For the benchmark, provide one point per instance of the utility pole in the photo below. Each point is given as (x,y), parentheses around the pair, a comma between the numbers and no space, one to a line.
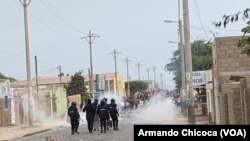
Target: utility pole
(153,68)
(216,103)
(188,58)
(182,50)
(37,92)
(89,80)
(148,75)
(161,81)
(36,78)
(128,90)
(25,4)
(115,53)
(90,39)
(138,66)
(183,70)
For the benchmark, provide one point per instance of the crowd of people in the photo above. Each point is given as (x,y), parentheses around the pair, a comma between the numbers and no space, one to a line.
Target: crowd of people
(97,115)
(134,101)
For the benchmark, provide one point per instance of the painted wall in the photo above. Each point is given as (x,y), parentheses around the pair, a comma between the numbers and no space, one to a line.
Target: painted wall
(61,102)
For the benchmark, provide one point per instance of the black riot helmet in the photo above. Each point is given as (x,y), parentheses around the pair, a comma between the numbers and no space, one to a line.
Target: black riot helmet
(112,100)
(105,99)
(89,101)
(96,100)
(73,103)
(102,102)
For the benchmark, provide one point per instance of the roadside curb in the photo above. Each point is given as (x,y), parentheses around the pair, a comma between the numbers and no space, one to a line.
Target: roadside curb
(38,132)
(30,134)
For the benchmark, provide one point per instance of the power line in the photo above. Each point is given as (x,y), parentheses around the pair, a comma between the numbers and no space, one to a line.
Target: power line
(58,16)
(198,13)
(47,71)
(47,26)
(106,45)
(12,54)
(52,29)
(21,56)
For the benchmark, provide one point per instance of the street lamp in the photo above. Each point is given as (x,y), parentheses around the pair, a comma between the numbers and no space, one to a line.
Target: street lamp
(168,21)
(186,56)
(180,43)
(181,47)
(173,42)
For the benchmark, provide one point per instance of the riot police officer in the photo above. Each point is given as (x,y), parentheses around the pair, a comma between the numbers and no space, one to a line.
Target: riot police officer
(74,118)
(102,111)
(108,117)
(114,113)
(90,113)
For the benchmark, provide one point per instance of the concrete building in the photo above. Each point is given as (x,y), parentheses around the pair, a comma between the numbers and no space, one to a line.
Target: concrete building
(49,102)
(107,83)
(229,66)
(7,104)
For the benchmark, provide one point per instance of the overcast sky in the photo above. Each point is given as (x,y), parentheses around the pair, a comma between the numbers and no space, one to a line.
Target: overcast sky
(133,27)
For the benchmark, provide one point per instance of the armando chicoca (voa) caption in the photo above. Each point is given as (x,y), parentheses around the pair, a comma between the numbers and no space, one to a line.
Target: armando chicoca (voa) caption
(195,133)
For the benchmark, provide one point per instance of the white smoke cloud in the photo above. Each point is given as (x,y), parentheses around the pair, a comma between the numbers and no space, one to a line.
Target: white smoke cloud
(109,96)
(118,100)
(159,110)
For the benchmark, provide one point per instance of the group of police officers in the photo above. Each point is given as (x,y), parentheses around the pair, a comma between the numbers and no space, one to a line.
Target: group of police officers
(95,114)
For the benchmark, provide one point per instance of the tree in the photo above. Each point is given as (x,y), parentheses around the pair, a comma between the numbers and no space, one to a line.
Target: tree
(77,86)
(201,60)
(136,86)
(201,55)
(175,67)
(245,41)
(2,76)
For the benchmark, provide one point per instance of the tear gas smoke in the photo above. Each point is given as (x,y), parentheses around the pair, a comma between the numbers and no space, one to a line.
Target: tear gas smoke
(158,110)
(118,100)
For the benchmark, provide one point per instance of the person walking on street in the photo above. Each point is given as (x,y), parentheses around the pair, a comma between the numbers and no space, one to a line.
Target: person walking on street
(74,118)
(90,113)
(96,116)
(108,117)
(102,111)
(114,114)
